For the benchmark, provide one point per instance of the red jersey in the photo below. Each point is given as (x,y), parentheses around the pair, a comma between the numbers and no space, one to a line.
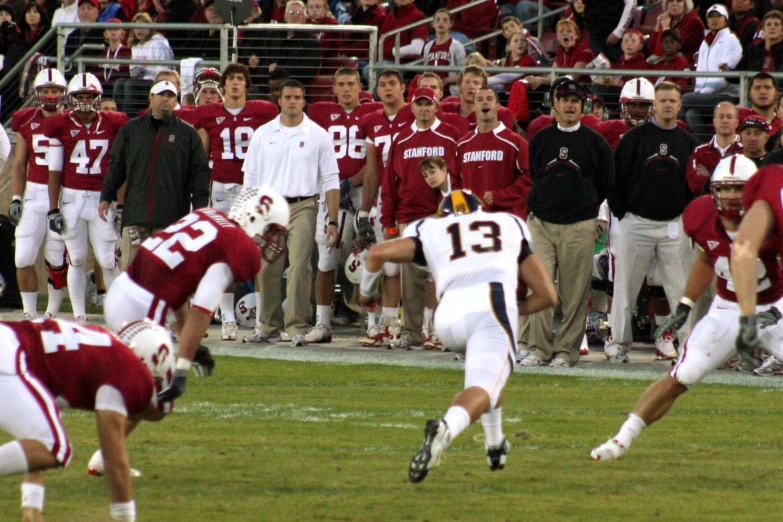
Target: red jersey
(767,185)
(229,135)
(75,361)
(85,150)
(578,53)
(495,161)
(505,115)
(380,131)
(172,263)
(406,196)
(439,54)
(774,124)
(702,223)
(636,62)
(344,128)
(546,120)
(677,63)
(708,155)
(29,124)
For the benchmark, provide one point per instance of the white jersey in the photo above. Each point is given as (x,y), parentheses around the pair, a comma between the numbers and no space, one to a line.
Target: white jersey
(472,249)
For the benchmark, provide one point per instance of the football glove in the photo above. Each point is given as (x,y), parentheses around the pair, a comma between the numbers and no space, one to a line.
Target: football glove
(118,220)
(747,339)
(366,231)
(345,187)
(15,212)
(177,387)
(56,221)
(674,321)
(203,363)
(768,318)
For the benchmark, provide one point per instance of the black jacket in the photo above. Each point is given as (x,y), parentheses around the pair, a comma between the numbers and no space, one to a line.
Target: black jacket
(167,171)
(299,55)
(602,16)
(756,55)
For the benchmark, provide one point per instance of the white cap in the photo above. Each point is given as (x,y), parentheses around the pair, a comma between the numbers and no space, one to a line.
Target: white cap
(164,86)
(718,8)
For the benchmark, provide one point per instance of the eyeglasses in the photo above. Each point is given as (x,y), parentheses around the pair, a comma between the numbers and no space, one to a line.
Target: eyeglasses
(297,13)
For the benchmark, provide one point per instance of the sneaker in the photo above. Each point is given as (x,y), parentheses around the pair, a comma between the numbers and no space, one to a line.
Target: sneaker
(496,455)
(430,340)
(584,349)
(229,331)
(285,337)
(80,320)
(27,317)
(298,340)
(100,299)
(530,360)
(319,333)
(609,450)
(521,354)
(261,337)
(47,315)
(381,334)
(771,366)
(557,362)
(436,440)
(619,357)
(664,348)
(403,344)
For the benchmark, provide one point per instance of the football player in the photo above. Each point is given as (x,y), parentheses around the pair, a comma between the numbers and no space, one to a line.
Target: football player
(49,362)
(207,87)
(30,176)
(711,221)
(79,144)
(196,258)
(341,121)
(225,130)
(478,260)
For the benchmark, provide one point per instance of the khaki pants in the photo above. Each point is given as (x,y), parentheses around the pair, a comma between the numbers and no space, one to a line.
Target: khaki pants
(565,251)
(299,248)
(128,250)
(412,284)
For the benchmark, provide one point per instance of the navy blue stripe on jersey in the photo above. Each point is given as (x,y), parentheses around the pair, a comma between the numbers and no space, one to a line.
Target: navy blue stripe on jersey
(497,299)
(418,255)
(524,248)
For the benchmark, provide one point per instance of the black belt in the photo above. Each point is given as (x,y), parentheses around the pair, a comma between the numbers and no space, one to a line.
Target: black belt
(297,200)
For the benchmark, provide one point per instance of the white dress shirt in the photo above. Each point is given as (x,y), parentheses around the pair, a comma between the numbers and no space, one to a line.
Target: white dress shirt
(297,161)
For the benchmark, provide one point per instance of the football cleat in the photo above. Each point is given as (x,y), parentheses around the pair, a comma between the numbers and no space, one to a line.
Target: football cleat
(229,331)
(664,348)
(261,337)
(619,357)
(771,366)
(95,466)
(530,360)
(381,334)
(436,440)
(609,450)
(319,333)
(559,362)
(430,340)
(496,455)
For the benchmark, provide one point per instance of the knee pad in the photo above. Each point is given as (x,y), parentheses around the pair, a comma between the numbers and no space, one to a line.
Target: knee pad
(26,252)
(108,260)
(328,257)
(58,277)
(391,270)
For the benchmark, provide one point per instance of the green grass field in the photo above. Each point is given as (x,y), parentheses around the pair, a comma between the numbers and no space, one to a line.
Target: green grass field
(280,440)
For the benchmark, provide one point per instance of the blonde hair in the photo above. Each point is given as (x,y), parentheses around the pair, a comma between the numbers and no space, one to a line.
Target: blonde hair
(688,6)
(430,75)
(326,5)
(142,18)
(477,57)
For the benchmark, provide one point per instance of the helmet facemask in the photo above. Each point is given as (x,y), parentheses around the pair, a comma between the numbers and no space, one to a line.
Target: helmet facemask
(730,208)
(634,113)
(272,242)
(85,106)
(50,102)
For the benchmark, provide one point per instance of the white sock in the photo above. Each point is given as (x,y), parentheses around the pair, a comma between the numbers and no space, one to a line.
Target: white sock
(227,308)
(428,313)
(258,309)
(77,287)
(12,459)
(109,275)
(55,300)
(660,319)
(30,303)
(389,311)
(630,429)
(457,419)
(323,315)
(372,319)
(493,427)
(33,496)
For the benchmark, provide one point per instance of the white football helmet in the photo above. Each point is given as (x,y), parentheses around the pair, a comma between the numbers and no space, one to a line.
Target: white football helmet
(354,265)
(263,214)
(152,344)
(85,83)
(246,310)
(733,171)
(637,91)
(49,78)
(208,77)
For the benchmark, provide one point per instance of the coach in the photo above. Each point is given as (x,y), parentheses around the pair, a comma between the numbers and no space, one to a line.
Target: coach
(649,197)
(295,156)
(572,172)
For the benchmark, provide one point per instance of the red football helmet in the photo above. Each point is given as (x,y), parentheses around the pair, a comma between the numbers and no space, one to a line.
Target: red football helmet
(733,171)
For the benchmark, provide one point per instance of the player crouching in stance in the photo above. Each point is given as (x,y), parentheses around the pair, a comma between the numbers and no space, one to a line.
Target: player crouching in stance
(477,260)
(50,362)
(713,223)
(197,258)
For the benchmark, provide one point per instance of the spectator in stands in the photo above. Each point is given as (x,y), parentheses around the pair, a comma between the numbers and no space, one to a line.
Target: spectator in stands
(720,51)
(724,143)
(571,52)
(132,94)
(605,21)
(633,57)
(516,56)
(763,94)
(318,13)
(672,59)
(109,10)
(680,17)
(88,13)
(478,60)
(754,134)
(35,23)
(298,52)
(510,25)
(472,22)
(108,74)
(598,107)
(433,81)
(66,14)
(273,11)
(470,80)
(411,41)
(108,104)
(525,10)
(742,21)
(444,50)
(766,55)
(204,43)
(576,13)
(146,6)
(368,12)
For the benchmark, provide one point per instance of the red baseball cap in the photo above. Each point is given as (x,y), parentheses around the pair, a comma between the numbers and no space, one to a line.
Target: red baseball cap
(754,121)
(424,93)
(93,2)
(113,21)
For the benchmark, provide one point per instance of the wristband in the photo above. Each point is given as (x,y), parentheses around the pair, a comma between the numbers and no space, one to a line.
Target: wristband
(332,224)
(687,302)
(183,364)
(369,280)
(32,496)
(16,198)
(124,511)
(363,214)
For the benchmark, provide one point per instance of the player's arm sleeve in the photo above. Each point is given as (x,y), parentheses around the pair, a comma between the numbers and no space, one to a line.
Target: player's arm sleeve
(520,188)
(696,181)
(328,170)
(414,234)
(210,289)
(117,173)
(199,168)
(109,398)
(617,195)
(389,194)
